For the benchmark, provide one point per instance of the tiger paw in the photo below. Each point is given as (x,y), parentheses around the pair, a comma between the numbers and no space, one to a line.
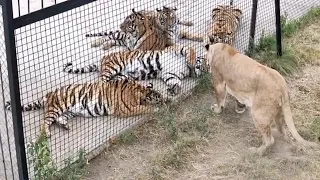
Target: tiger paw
(65,126)
(189,23)
(96,43)
(174,90)
(47,133)
(216,109)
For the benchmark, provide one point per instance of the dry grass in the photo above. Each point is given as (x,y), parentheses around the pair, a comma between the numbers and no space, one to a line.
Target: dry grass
(188,141)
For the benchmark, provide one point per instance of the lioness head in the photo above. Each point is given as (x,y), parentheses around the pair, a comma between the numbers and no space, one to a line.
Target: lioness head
(218,49)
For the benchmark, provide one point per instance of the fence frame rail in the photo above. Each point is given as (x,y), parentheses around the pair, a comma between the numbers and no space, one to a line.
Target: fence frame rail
(11,24)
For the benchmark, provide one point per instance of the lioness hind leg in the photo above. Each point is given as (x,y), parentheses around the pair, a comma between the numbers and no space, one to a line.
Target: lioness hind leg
(240,108)
(262,120)
(280,126)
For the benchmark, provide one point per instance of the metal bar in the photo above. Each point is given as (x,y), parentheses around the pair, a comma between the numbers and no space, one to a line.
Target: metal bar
(252,27)
(41,4)
(7,129)
(28,6)
(48,12)
(19,8)
(278,27)
(14,89)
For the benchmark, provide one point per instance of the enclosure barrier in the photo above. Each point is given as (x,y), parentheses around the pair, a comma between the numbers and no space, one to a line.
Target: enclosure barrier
(40,41)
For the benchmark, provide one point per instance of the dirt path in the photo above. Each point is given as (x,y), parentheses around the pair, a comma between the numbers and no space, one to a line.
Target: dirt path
(193,143)
(223,152)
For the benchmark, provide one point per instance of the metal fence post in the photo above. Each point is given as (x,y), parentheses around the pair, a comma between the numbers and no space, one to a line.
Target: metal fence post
(252,27)
(8,23)
(278,27)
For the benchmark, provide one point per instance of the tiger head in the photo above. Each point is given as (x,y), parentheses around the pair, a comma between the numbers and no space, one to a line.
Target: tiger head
(166,17)
(201,66)
(134,23)
(226,20)
(149,96)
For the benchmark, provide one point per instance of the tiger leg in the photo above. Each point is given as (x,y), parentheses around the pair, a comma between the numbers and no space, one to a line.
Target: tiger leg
(110,43)
(185,23)
(173,82)
(56,116)
(63,119)
(98,42)
(190,36)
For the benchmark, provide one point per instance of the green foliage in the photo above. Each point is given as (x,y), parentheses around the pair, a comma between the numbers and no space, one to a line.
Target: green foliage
(204,84)
(127,137)
(45,169)
(266,50)
(41,159)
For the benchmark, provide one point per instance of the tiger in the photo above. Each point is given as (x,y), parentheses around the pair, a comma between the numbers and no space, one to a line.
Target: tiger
(121,98)
(141,35)
(165,20)
(225,21)
(145,65)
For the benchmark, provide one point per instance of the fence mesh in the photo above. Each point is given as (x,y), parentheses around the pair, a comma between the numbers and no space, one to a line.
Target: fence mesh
(44,47)
(8,162)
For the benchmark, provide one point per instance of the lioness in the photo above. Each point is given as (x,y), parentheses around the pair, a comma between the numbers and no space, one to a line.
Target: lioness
(260,88)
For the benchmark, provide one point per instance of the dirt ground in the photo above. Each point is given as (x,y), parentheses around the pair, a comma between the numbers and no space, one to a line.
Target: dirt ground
(189,142)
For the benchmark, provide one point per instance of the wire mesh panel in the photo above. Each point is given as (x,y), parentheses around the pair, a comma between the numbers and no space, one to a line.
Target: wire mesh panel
(8,162)
(45,47)
(289,10)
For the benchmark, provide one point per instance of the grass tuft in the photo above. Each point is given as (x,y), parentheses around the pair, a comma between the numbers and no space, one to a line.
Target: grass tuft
(44,168)
(204,84)
(266,50)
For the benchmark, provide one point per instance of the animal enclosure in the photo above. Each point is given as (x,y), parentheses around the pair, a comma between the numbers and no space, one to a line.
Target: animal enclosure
(41,37)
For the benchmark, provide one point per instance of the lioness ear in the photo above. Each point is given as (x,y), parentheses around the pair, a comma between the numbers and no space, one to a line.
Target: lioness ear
(207,47)
(150,86)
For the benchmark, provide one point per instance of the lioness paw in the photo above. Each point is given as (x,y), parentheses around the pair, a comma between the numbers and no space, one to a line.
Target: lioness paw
(216,109)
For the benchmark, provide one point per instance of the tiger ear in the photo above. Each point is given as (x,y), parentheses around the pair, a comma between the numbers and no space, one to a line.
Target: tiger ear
(207,46)
(150,86)
(237,12)
(175,8)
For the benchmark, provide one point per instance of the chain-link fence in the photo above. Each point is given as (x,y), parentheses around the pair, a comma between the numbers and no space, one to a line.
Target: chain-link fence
(46,40)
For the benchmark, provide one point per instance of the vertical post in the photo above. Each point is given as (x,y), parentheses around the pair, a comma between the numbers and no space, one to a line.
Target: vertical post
(8,23)
(252,27)
(278,27)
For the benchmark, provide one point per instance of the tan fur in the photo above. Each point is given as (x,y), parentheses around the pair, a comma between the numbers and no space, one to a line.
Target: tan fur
(259,87)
